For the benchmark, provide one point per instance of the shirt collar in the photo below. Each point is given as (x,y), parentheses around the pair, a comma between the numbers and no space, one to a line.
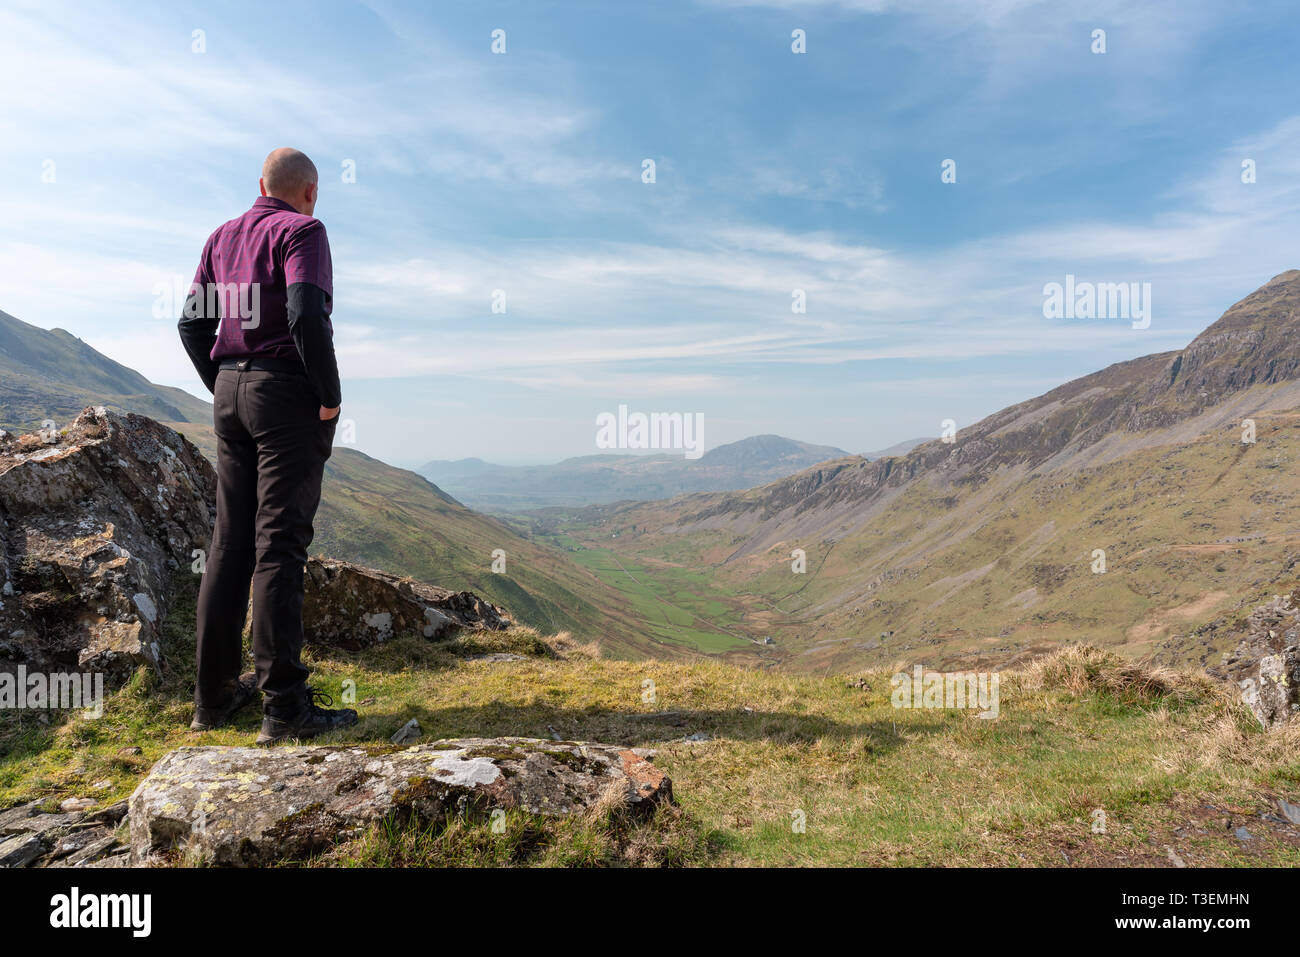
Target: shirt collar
(273,203)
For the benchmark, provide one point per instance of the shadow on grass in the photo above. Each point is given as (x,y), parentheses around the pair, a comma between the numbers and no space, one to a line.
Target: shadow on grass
(628,729)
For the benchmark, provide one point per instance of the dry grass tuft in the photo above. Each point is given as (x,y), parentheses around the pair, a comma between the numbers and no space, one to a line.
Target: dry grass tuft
(1236,739)
(566,648)
(1080,669)
(612,802)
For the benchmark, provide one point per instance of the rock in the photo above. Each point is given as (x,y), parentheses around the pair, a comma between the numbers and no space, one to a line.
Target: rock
(21,850)
(1266,663)
(355,607)
(1242,834)
(81,847)
(222,805)
(407,733)
(29,819)
(104,847)
(94,521)
(118,855)
(1289,811)
(112,814)
(13,819)
(30,837)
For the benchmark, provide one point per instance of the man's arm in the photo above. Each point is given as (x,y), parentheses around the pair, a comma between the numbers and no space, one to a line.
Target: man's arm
(198,331)
(309,278)
(309,325)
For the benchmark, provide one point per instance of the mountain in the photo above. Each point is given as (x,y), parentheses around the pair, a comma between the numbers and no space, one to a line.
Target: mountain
(1122,508)
(370,512)
(600,479)
(54,375)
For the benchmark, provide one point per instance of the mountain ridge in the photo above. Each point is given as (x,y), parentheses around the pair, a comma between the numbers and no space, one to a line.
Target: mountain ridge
(1124,404)
(610,477)
(52,374)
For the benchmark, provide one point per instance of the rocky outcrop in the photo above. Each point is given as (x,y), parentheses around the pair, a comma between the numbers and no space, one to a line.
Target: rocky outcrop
(252,806)
(1266,664)
(94,521)
(355,607)
(31,836)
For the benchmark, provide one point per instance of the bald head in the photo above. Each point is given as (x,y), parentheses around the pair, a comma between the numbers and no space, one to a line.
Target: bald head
(289,175)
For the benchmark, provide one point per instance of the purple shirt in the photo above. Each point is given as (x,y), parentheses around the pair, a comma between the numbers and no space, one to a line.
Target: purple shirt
(249,264)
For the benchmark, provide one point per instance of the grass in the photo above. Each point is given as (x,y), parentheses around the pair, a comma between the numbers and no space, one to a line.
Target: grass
(796,769)
(669,601)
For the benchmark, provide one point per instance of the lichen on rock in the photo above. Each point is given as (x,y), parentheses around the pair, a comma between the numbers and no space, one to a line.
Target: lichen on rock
(354,607)
(254,806)
(94,522)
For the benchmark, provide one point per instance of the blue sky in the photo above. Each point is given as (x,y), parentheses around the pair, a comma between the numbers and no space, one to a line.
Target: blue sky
(775,171)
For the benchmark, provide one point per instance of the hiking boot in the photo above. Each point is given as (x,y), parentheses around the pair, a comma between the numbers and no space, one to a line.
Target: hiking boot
(309,721)
(242,691)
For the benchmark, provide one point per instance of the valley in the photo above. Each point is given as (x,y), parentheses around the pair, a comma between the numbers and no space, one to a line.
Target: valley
(1144,508)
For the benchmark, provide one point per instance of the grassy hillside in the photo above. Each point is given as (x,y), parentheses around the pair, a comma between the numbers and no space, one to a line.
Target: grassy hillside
(54,375)
(1174,768)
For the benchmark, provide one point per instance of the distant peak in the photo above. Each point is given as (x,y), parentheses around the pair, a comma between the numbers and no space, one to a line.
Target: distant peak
(1288,276)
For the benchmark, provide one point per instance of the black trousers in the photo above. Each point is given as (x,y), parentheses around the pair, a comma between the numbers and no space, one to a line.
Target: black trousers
(271,454)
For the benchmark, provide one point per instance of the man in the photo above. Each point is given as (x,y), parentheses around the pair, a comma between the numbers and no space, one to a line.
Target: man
(257,328)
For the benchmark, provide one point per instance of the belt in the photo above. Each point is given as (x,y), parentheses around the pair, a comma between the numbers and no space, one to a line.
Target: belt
(264,364)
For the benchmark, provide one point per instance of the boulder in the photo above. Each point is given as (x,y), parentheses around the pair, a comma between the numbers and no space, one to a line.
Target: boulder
(254,806)
(1266,663)
(355,607)
(94,521)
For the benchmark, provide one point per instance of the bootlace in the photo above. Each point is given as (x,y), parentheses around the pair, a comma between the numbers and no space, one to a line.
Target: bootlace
(314,696)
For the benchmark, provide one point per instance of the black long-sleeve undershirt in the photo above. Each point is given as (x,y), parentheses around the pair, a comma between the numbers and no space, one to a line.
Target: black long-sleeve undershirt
(198,336)
(309,325)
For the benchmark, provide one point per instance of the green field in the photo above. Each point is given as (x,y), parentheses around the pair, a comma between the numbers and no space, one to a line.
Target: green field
(672,603)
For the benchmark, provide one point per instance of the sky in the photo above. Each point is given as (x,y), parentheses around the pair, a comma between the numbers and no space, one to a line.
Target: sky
(518,178)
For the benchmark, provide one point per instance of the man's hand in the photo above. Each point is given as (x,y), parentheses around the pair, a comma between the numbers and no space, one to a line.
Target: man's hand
(327,414)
